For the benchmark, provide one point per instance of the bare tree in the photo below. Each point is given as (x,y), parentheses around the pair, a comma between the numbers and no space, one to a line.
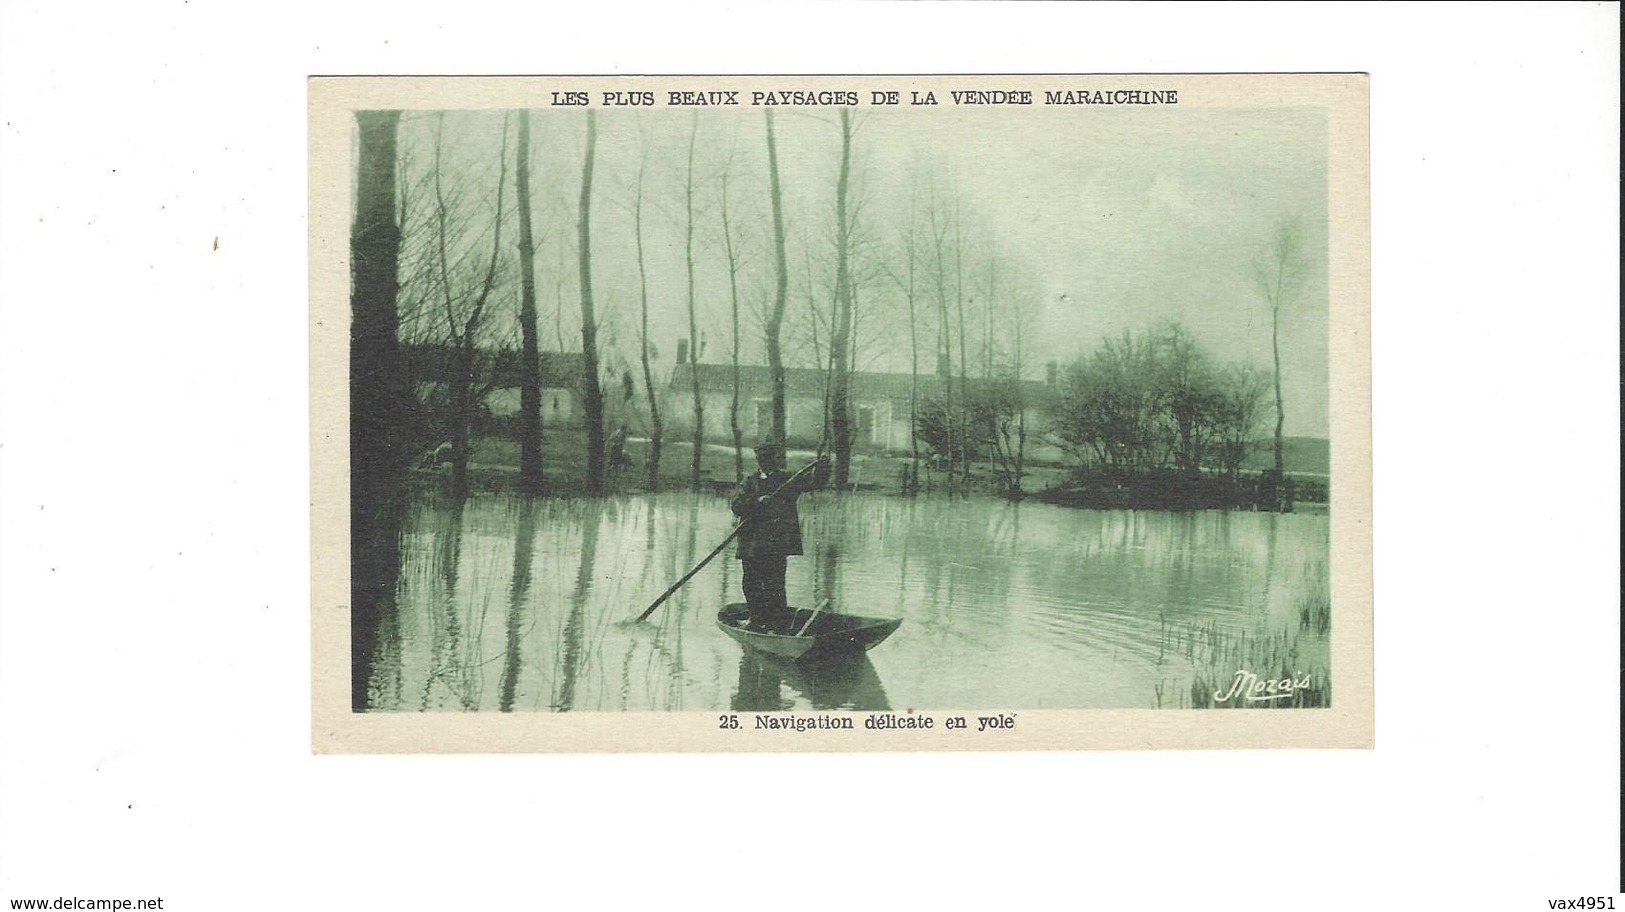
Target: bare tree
(987,315)
(558,300)
(656,429)
(1023,310)
(841,331)
(464,321)
(817,322)
(733,295)
(594,395)
(530,390)
(378,394)
(994,412)
(1241,397)
(1109,409)
(1279,275)
(693,323)
(905,282)
(417,306)
(1189,390)
(945,371)
(959,294)
(775,319)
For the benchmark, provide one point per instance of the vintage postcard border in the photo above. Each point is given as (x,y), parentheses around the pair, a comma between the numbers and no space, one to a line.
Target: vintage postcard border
(1349,723)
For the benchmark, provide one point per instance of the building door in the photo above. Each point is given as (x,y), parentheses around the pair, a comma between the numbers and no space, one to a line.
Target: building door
(864,434)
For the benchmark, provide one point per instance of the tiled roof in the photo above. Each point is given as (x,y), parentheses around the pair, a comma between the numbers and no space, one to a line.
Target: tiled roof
(805,383)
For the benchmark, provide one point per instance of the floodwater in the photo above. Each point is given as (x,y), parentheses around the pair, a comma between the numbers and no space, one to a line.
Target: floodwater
(514,605)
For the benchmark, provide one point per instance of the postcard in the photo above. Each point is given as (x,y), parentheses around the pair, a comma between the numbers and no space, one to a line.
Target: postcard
(840,413)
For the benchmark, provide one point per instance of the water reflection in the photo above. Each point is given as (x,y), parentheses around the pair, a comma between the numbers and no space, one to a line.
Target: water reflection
(575,626)
(760,686)
(524,543)
(375,569)
(445,659)
(844,682)
(508,605)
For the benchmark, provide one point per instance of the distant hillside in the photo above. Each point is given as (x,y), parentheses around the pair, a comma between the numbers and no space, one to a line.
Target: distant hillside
(1310,455)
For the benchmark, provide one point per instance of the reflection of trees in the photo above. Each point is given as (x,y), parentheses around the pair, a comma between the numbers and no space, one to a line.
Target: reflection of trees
(465,649)
(626,674)
(518,589)
(1269,564)
(384,689)
(575,624)
(445,628)
(675,669)
(978,591)
(1183,583)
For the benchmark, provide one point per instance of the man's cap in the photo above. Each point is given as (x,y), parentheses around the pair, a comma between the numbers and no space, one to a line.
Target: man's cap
(769,448)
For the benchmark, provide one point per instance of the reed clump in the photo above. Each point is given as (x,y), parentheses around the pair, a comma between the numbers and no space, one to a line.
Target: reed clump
(1225,657)
(1315,606)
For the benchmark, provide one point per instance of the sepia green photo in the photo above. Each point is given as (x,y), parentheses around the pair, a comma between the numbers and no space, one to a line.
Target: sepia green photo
(840,413)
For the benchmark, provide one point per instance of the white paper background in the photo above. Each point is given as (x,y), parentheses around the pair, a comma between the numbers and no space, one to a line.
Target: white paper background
(154,625)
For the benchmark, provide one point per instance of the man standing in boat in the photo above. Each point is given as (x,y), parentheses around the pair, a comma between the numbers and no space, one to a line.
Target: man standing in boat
(766,502)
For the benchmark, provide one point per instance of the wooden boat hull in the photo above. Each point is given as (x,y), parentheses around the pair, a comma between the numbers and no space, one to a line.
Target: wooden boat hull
(828,634)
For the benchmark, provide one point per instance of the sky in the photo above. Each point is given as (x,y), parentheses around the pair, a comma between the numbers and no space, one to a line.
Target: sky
(1094,220)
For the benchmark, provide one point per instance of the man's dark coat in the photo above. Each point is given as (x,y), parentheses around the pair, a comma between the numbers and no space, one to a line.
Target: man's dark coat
(773,528)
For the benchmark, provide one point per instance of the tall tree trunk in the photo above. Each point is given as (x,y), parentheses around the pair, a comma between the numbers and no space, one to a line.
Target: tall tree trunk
(530,390)
(826,430)
(462,407)
(558,302)
(945,357)
(964,383)
(733,295)
(987,318)
(775,319)
(1021,401)
(820,356)
(656,429)
(913,370)
(856,324)
(693,323)
(593,406)
(378,396)
(841,332)
(1285,252)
